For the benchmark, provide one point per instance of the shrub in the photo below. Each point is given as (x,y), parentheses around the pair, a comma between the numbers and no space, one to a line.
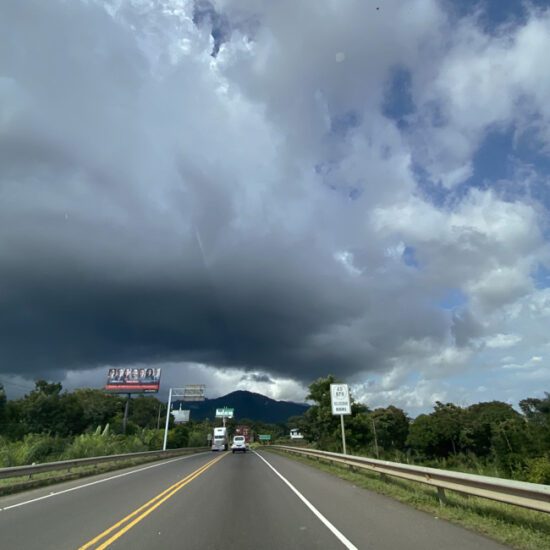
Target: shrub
(33,448)
(538,470)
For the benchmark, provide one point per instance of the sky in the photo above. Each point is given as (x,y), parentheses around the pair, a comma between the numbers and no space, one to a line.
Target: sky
(254,194)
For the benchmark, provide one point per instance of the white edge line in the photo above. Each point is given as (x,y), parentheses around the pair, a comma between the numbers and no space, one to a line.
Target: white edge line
(54,494)
(340,536)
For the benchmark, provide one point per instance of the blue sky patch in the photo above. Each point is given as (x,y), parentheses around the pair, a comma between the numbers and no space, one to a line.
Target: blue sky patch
(541,276)
(491,161)
(341,124)
(454,298)
(494,13)
(409,257)
(398,101)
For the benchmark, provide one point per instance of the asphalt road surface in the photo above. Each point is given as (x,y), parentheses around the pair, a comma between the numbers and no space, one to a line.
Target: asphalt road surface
(221,501)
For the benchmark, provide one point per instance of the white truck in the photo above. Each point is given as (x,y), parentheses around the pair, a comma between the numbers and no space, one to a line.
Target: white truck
(219,441)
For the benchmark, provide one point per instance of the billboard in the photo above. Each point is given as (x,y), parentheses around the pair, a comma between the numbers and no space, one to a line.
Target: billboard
(133,380)
(193,392)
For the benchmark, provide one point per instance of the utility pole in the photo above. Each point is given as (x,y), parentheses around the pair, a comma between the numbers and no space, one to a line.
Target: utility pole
(125,417)
(375,438)
(158,418)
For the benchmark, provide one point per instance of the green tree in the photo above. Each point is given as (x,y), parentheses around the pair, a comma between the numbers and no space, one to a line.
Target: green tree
(392,427)
(537,413)
(437,434)
(481,422)
(198,433)
(178,436)
(98,408)
(144,411)
(3,407)
(511,445)
(47,410)
(323,428)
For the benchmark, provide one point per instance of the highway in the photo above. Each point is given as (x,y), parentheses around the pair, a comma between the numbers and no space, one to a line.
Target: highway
(221,501)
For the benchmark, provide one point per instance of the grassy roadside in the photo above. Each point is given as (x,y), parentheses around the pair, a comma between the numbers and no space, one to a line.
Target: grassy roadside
(24,483)
(517,527)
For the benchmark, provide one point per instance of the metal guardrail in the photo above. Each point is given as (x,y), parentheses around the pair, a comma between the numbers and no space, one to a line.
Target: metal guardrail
(517,493)
(18,471)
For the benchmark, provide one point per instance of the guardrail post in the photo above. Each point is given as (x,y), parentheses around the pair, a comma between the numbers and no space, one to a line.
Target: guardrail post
(441,496)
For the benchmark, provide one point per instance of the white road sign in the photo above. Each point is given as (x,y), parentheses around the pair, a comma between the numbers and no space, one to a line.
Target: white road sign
(181,416)
(339,399)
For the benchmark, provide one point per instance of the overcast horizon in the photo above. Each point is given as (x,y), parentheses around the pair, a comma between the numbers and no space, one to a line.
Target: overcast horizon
(254,194)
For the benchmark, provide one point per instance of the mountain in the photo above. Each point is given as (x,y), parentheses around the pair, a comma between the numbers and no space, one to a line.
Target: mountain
(247,405)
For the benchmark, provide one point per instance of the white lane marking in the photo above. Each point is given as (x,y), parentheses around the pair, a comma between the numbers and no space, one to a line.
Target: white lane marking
(55,494)
(340,536)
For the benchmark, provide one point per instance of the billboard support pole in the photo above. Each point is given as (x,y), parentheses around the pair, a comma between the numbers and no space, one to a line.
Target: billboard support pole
(167,420)
(125,418)
(343,434)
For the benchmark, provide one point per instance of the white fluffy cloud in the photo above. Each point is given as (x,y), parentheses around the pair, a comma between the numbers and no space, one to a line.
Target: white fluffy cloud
(482,81)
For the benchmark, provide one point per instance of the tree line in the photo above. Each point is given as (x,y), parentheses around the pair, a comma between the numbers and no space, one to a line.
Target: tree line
(490,438)
(49,424)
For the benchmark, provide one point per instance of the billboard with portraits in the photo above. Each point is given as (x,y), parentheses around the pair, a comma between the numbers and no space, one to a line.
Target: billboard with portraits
(133,380)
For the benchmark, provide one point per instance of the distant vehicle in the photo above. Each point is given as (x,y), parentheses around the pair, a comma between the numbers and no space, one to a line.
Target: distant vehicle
(246,432)
(295,434)
(220,441)
(239,444)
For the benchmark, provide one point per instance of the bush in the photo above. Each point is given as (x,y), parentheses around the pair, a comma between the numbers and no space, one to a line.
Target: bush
(34,448)
(90,445)
(178,437)
(152,439)
(538,470)
(197,439)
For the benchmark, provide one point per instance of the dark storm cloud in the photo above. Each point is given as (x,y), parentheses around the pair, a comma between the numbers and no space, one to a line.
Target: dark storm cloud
(64,314)
(162,205)
(255,377)
(145,218)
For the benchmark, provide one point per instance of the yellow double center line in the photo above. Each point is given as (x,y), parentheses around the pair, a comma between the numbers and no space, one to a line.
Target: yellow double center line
(125,524)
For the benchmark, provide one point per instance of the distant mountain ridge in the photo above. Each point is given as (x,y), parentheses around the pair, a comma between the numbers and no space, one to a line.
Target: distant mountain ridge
(247,405)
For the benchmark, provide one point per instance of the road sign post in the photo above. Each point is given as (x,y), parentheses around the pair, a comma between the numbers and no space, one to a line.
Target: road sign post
(343,434)
(340,403)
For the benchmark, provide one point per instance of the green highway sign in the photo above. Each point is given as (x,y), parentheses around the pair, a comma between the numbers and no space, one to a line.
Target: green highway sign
(266,437)
(225,412)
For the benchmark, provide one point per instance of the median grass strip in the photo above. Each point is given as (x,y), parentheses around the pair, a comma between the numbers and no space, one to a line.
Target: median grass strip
(517,527)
